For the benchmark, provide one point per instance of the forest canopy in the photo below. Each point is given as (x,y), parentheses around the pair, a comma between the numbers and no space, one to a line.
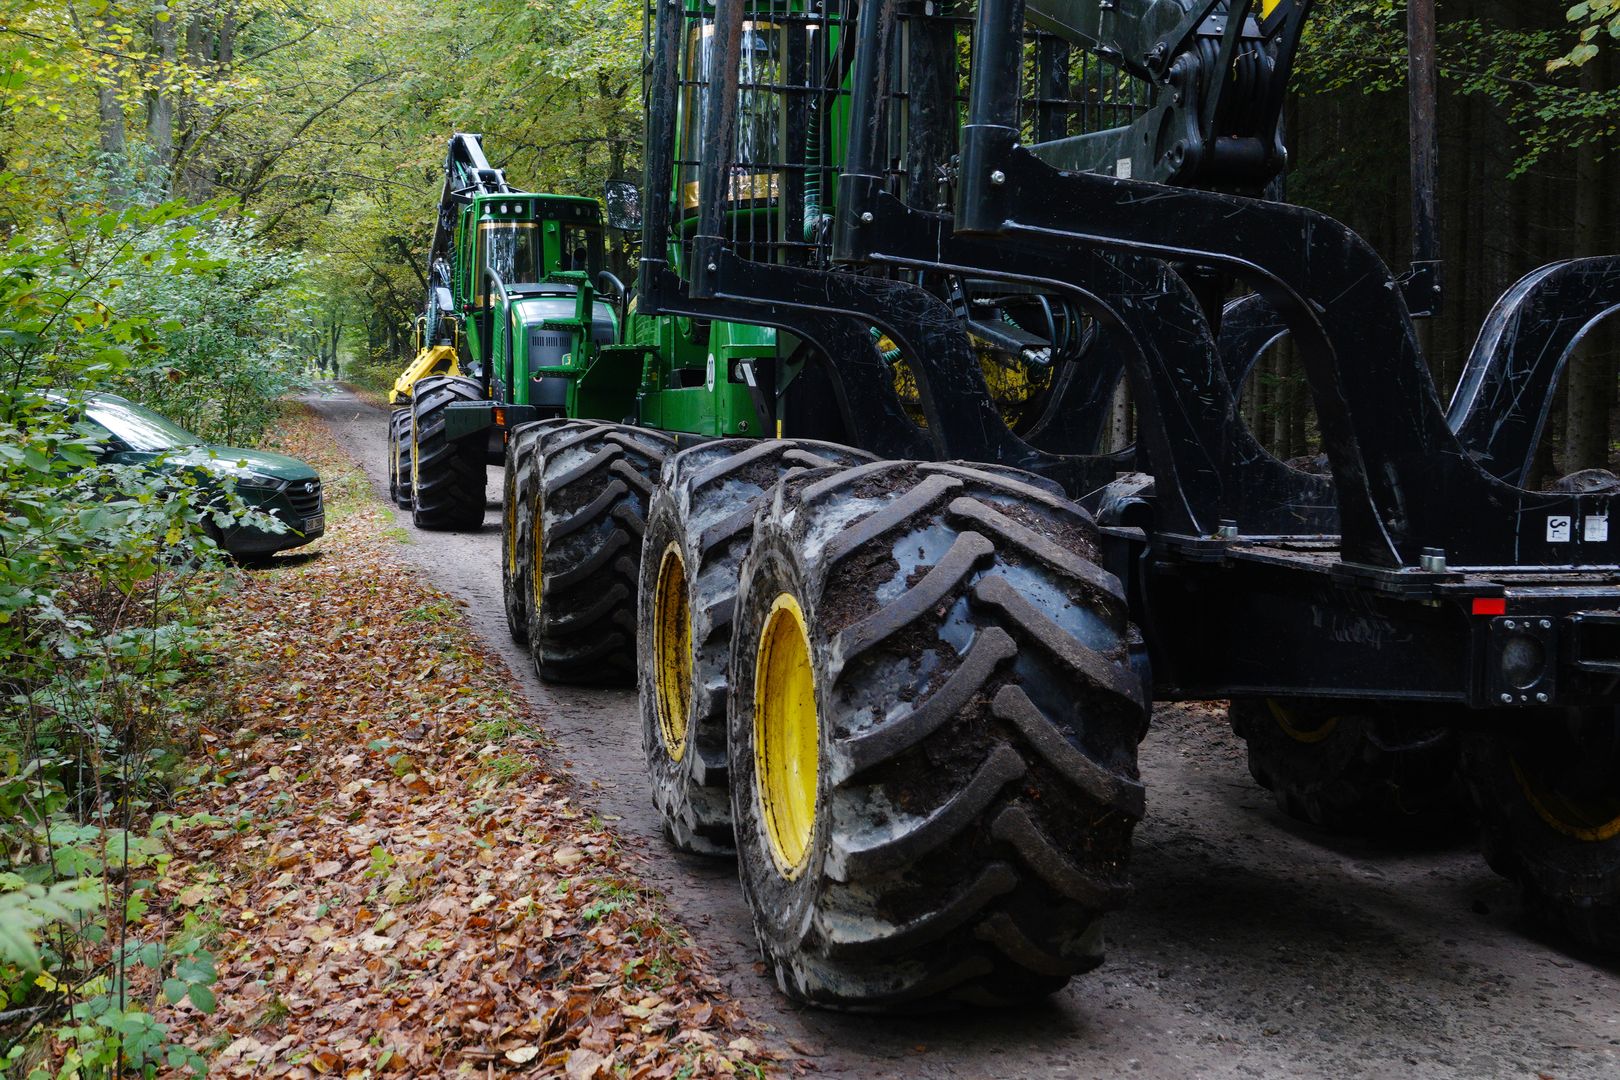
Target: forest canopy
(320,125)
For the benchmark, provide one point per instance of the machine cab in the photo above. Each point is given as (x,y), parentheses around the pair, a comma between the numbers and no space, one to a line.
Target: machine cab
(525,263)
(522,239)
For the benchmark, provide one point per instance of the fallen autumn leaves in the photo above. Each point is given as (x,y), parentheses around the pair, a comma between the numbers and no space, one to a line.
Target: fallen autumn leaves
(399,881)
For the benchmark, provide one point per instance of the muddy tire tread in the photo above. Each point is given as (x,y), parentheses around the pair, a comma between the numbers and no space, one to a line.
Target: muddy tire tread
(591,482)
(1373,775)
(707,500)
(517,486)
(1569,885)
(447,492)
(399,457)
(993,893)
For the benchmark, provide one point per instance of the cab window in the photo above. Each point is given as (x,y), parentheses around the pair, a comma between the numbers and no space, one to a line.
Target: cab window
(511,251)
(579,248)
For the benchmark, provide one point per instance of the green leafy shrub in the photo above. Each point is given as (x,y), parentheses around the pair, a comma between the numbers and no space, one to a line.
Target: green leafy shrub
(105,573)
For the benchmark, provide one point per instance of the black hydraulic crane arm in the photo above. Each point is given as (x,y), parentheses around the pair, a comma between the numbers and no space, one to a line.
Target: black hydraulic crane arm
(1137,34)
(1218,71)
(467,172)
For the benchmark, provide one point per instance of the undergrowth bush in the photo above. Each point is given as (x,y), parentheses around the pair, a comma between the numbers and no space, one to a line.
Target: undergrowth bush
(105,573)
(226,345)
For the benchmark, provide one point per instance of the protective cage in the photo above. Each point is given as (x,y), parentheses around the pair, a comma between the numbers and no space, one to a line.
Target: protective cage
(783,137)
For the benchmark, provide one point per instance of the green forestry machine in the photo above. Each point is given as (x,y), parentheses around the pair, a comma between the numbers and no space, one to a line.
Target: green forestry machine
(512,330)
(896,606)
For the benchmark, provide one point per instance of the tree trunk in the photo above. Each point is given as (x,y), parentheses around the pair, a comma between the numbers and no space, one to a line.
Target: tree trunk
(1298,402)
(227,37)
(113,142)
(160,103)
(334,331)
(201,47)
(1273,363)
(111,118)
(114,155)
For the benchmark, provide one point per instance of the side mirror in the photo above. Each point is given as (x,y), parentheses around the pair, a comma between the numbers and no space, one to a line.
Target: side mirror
(623,200)
(111,446)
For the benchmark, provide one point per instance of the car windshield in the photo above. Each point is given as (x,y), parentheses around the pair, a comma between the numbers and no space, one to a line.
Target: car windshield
(141,429)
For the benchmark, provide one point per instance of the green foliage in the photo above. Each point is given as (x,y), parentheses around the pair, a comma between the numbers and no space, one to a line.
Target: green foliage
(1594,17)
(1528,71)
(232,310)
(104,571)
(171,305)
(25,909)
(1510,67)
(1353,44)
(326,124)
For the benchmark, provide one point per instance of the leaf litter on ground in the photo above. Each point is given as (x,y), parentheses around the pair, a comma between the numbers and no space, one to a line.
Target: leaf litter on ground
(397,880)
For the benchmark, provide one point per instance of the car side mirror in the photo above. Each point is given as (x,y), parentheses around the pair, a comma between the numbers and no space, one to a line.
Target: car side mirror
(111,446)
(623,200)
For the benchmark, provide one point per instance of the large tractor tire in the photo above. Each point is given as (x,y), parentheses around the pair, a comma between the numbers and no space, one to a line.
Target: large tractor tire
(517,524)
(447,478)
(1355,767)
(698,530)
(932,729)
(399,457)
(590,487)
(1549,806)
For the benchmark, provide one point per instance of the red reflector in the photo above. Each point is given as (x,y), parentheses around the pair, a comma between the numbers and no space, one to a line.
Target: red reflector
(1490,605)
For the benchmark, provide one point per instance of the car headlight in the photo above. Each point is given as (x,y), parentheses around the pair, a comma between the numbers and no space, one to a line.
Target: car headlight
(244,476)
(257,482)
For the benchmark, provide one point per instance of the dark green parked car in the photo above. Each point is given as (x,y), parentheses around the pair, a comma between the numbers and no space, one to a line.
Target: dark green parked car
(281,486)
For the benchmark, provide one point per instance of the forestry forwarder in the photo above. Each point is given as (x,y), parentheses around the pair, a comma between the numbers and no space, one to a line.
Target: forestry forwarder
(513,331)
(905,682)
(510,332)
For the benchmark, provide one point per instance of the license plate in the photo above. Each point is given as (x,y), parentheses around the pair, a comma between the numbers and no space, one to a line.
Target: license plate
(315,523)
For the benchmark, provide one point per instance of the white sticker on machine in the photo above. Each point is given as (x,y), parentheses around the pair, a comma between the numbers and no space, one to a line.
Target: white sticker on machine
(1558,529)
(1122,168)
(1596,528)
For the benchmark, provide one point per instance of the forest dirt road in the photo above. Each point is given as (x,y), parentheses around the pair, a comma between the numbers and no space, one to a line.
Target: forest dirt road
(1253,947)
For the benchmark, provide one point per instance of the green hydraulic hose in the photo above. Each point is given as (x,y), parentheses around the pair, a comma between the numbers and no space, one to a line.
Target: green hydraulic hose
(888,356)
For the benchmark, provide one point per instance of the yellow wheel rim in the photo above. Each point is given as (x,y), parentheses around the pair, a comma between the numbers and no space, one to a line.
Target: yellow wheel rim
(672,652)
(537,535)
(1592,819)
(1294,729)
(511,532)
(787,741)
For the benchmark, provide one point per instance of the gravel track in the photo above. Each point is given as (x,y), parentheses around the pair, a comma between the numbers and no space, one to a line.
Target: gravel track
(1254,947)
